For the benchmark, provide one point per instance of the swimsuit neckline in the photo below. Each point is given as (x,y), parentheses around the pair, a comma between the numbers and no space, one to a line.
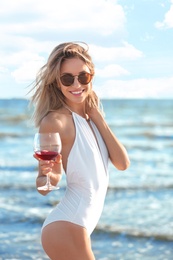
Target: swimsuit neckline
(85,118)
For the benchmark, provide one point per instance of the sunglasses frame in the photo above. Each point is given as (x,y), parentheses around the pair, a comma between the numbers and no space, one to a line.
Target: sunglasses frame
(78,77)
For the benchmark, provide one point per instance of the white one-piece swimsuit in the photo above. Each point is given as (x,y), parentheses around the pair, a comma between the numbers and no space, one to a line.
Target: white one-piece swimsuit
(86,177)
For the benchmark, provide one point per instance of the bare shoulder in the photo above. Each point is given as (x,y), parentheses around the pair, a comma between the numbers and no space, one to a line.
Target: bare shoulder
(60,121)
(57,121)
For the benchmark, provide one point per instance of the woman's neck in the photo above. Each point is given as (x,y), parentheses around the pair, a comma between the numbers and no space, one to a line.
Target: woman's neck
(77,108)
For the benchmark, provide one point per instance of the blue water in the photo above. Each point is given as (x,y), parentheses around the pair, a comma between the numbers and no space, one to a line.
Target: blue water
(137,220)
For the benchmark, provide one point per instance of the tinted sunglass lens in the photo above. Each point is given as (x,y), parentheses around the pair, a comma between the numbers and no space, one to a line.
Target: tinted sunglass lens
(67,80)
(84,78)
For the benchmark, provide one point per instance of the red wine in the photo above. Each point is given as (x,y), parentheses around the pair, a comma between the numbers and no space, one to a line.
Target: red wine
(46,155)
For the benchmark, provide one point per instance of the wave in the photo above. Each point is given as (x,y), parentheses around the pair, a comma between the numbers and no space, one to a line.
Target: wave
(116,188)
(38,219)
(18,187)
(28,186)
(134,232)
(129,136)
(18,168)
(143,187)
(4,135)
(14,119)
(138,124)
(9,135)
(19,218)
(137,135)
(151,135)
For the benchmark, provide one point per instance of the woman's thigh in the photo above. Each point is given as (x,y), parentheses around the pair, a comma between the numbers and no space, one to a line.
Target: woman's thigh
(63,240)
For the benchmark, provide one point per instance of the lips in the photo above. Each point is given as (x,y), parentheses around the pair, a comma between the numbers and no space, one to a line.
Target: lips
(77,93)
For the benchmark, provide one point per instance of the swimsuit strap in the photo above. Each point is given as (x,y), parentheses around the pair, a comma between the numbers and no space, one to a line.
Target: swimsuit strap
(68,108)
(87,117)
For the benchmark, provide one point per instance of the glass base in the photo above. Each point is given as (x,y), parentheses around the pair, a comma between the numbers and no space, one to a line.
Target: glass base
(48,187)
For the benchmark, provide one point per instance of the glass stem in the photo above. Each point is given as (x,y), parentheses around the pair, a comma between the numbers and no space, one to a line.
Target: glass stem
(48,180)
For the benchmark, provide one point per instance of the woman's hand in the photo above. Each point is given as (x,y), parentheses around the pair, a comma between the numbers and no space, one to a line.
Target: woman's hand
(95,115)
(53,168)
(117,152)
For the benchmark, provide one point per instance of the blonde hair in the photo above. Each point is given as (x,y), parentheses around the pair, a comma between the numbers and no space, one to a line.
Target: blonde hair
(47,93)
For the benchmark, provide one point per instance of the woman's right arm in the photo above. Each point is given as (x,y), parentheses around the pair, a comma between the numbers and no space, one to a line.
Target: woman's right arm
(53,168)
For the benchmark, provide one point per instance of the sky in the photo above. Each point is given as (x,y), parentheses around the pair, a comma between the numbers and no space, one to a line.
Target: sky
(130,41)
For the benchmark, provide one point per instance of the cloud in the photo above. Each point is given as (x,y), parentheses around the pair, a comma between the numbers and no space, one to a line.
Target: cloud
(25,63)
(168,19)
(27,71)
(124,52)
(111,71)
(29,30)
(21,65)
(30,55)
(28,16)
(136,88)
(3,70)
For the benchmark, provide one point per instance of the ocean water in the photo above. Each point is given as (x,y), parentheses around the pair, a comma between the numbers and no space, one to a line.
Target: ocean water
(137,220)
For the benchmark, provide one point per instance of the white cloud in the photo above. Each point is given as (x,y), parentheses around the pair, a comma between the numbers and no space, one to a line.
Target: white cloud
(124,52)
(22,65)
(27,71)
(29,30)
(168,19)
(18,58)
(111,71)
(137,88)
(103,17)
(147,37)
(32,52)
(3,70)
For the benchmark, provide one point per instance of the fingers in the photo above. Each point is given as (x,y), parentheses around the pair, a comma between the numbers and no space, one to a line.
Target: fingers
(58,158)
(46,167)
(35,156)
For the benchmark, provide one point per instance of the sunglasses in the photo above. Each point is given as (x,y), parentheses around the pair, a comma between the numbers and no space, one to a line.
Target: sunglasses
(68,79)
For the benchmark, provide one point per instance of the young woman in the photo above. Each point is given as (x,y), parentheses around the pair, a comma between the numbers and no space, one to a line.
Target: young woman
(66,103)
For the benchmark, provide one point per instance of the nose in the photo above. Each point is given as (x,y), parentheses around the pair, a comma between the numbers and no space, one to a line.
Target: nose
(76,83)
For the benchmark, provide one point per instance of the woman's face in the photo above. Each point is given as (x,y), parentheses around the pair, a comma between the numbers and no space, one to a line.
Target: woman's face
(77,92)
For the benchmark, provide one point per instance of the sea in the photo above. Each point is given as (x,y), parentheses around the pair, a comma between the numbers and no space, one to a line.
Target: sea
(137,219)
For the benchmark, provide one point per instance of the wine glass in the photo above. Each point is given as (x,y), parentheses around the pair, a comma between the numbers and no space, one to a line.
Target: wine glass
(47,146)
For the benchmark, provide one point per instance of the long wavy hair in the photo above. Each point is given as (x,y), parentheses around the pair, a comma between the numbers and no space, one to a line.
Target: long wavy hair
(47,92)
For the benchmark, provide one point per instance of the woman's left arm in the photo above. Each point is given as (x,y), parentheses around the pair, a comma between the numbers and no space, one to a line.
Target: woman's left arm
(117,152)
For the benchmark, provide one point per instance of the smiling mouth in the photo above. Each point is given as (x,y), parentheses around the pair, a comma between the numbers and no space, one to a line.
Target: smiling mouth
(77,92)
